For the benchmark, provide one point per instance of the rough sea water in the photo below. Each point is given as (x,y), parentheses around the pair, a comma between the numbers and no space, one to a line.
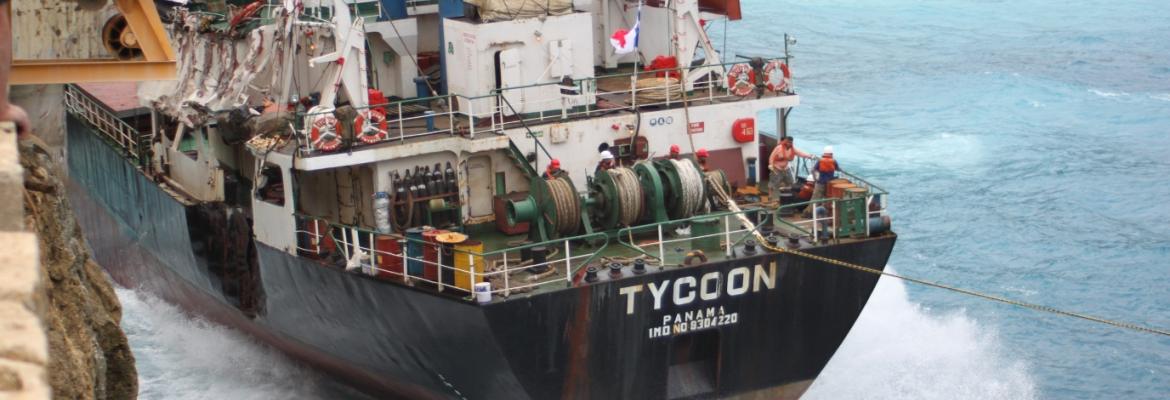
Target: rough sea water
(1027,147)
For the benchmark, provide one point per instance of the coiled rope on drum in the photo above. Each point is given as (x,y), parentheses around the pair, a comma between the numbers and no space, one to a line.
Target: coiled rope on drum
(691,198)
(1037,307)
(564,198)
(629,195)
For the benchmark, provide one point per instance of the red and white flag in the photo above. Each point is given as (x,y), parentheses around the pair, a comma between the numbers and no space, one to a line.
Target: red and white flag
(625,42)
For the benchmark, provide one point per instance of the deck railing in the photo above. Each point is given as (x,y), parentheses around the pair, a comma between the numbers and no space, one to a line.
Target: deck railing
(732,233)
(98,116)
(822,223)
(359,250)
(514,107)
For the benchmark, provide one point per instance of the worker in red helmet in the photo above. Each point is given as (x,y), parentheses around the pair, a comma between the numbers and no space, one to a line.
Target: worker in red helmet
(675,152)
(553,171)
(701,157)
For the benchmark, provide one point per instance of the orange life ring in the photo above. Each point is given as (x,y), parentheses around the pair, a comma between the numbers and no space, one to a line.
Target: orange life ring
(324,134)
(376,131)
(741,80)
(777,82)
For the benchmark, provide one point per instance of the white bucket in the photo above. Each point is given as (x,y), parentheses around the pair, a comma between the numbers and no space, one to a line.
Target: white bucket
(483,292)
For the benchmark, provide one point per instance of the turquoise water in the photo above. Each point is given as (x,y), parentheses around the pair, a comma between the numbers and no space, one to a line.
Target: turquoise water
(1027,144)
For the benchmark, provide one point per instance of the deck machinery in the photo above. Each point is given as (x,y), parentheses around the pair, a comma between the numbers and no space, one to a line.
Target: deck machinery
(656,191)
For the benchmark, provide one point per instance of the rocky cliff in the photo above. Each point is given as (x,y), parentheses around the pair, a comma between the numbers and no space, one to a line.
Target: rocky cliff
(89,357)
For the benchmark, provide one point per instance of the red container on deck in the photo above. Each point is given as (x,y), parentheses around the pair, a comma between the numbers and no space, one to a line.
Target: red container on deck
(431,254)
(389,257)
(836,188)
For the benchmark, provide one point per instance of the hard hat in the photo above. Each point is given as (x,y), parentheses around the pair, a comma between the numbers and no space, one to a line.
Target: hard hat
(828,150)
(555,163)
(606,155)
(701,153)
(674,149)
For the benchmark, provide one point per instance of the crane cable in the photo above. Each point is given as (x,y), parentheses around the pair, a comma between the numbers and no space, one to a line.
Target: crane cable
(1038,307)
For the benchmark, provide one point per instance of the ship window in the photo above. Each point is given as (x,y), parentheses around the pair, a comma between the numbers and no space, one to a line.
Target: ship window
(270,185)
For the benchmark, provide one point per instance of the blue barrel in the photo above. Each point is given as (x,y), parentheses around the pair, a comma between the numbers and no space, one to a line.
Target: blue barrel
(414,250)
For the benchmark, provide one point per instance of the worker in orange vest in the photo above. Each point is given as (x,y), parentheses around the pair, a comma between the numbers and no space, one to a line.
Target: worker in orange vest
(824,170)
(781,179)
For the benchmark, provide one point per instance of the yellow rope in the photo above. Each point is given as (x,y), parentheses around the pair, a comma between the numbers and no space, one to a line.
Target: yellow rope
(1038,307)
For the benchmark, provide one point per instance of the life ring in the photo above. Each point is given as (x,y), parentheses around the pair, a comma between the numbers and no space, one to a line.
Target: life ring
(324,135)
(777,82)
(741,80)
(373,132)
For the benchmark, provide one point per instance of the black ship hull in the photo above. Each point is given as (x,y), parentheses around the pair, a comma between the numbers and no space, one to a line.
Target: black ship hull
(756,327)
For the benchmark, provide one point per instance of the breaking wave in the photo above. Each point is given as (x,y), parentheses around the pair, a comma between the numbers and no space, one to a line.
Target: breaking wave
(186,358)
(899,350)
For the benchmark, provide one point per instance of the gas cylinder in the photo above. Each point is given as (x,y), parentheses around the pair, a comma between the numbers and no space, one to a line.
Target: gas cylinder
(449,175)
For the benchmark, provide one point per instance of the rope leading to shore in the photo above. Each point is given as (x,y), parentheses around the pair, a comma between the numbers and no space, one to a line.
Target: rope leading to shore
(1004,300)
(1033,306)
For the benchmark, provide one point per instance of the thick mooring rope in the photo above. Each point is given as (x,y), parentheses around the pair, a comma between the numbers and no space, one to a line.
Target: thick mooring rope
(568,209)
(629,195)
(1038,307)
(692,187)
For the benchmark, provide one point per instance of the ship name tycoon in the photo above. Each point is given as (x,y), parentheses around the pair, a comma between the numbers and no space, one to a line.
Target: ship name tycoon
(708,287)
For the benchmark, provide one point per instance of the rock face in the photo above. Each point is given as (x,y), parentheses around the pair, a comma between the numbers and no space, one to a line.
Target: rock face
(89,357)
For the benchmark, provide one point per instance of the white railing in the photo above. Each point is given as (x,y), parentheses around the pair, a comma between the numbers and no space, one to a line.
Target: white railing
(822,223)
(543,102)
(730,237)
(366,259)
(102,119)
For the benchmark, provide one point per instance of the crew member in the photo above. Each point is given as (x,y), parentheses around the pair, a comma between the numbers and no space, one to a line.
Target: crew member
(825,170)
(674,152)
(701,157)
(606,162)
(553,170)
(781,179)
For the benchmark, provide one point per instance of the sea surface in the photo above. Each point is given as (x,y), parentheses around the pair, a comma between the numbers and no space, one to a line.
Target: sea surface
(1027,147)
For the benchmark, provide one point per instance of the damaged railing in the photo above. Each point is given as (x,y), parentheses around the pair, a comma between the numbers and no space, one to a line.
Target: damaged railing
(91,110)
(389,257)
(512,107)
(729,237)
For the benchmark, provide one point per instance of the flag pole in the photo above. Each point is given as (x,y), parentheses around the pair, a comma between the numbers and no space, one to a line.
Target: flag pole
(637,55)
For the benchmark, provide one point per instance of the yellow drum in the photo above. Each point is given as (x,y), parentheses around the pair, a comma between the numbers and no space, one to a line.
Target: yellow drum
(467,256)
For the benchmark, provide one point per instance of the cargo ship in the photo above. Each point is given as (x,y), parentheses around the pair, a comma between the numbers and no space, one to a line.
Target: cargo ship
(479,199)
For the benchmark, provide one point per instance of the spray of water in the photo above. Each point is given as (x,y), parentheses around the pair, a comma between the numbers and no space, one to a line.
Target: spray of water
(185,358)
(898,350)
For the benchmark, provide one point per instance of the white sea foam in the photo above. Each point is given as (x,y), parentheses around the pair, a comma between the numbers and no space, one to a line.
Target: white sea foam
(898,350)
(185,358)
(1163,96)
(1106,94)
